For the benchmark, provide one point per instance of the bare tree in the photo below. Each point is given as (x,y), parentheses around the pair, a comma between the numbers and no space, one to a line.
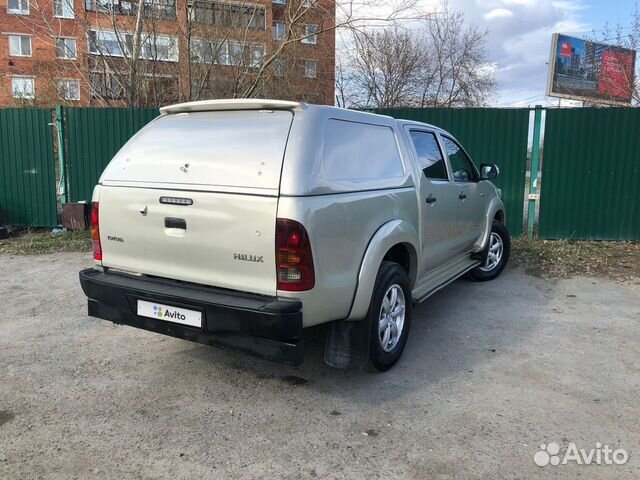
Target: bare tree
(441,64)
(455,71)
(386,66)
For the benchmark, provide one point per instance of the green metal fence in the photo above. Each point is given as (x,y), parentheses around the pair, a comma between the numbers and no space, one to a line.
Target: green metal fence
(93,136)
(27,169)
(590,172)
(490,135)
(591,175)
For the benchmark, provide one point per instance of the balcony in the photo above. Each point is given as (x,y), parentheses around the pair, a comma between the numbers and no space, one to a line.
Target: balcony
(157,9)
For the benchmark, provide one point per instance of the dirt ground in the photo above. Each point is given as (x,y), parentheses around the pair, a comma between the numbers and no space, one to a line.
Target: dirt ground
(491,371)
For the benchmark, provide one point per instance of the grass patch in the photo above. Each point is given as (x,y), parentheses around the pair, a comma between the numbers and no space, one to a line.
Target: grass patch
(567,258)
(31,242)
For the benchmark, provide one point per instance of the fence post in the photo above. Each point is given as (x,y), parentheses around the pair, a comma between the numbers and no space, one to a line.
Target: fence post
(533,178)
(61,155)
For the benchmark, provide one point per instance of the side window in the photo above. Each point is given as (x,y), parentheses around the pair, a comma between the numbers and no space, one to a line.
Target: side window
(430,157)
(360,151)
(461,165)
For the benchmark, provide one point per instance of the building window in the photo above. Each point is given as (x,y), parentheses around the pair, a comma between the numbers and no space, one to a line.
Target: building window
(257,55)
(66,48)
(279,30)
(203,51)
(103,5)
(239,54)
(68,89)
(23,87)
(105,85)
(227,15)
(106,43)
(280,2)
(308,3)
(63,8)
(228,53)
(309,34)
(20,7)
(310,68)
(158,9)
(160,47)
(19,45)
(279,67)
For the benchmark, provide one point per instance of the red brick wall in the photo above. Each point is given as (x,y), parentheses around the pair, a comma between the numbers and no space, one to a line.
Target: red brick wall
(43,64)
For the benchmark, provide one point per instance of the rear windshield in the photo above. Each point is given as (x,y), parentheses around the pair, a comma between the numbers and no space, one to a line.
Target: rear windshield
(231,149)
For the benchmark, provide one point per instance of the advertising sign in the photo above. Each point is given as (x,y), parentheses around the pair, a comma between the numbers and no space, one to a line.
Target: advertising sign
(589,71)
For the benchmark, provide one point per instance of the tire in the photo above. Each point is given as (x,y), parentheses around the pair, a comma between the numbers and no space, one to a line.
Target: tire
(499,241)
(392,282)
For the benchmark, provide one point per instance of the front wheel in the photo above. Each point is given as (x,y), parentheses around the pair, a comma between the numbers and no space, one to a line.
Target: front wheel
(389,316)
(497,254)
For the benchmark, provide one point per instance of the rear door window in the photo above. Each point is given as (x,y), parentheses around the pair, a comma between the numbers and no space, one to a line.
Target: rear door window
(430,158)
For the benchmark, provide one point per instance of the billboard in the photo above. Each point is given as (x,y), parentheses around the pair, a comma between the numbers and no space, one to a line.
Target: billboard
(590,71)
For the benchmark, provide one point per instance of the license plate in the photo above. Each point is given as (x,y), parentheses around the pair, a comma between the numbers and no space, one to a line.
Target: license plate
(168,313)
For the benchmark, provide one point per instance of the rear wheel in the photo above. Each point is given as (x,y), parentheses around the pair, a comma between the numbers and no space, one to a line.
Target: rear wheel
(389,316)
(497,254)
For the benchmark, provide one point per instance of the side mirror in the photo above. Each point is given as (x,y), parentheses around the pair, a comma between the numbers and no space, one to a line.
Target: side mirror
(489,171)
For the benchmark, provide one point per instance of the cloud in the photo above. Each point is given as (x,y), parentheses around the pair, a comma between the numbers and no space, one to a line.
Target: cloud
(519,39)
(498,13)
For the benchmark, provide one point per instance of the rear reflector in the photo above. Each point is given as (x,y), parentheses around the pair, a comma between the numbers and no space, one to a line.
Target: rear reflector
(294,261)
(95,232)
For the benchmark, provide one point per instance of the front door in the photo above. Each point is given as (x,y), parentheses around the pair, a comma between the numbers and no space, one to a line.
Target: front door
(439,198)
(471,195)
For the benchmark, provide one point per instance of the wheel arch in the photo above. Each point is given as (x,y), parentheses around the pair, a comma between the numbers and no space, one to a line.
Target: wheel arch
(495,211)
(395,241)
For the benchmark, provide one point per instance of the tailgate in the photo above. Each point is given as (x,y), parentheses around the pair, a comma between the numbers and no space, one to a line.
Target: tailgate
(193,197)
(221,239)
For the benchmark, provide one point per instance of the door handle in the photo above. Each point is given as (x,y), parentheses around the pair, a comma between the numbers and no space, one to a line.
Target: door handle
(171,222)
(462,196)
(431,199)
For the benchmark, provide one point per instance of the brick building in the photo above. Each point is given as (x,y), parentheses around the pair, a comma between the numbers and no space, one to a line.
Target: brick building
(81,52)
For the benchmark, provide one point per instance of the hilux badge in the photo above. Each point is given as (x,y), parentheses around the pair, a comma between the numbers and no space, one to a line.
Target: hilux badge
(248,258)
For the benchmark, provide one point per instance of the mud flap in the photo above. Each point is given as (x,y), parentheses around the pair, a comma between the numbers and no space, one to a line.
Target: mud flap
(348,344)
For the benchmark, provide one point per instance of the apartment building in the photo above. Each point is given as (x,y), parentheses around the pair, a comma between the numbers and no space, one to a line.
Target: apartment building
(155,52)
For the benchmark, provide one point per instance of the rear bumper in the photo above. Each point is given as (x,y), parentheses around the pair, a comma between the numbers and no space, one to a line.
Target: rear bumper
(262,326)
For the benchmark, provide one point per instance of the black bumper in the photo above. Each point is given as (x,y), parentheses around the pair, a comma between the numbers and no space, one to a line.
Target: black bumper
(262,326)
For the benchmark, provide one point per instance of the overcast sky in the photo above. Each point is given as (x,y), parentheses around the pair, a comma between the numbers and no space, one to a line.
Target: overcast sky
(520,37)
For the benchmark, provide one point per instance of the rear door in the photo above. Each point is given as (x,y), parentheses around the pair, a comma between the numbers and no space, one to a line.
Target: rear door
(440,239)
(194,197)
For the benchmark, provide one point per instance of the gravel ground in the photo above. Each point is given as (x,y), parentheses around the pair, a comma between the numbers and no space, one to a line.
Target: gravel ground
(490,372)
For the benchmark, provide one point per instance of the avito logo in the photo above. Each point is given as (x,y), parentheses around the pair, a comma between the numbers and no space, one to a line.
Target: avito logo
(166,313)
(176,315)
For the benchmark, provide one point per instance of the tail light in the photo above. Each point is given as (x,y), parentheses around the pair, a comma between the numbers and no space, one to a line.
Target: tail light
(294,261)
(95,232)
